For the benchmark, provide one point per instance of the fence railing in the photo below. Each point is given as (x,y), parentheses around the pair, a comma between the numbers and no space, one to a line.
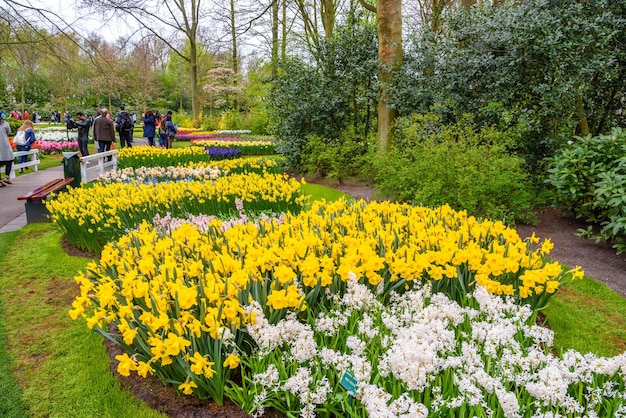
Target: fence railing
(98,162)
(31,161)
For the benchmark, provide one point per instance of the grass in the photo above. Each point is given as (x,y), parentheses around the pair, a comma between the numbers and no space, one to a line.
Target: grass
(11,402)
(61,366)
(588,316)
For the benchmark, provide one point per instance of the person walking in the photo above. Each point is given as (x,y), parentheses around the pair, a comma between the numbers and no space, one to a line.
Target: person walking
(27,142)
(149,126)
(6,152)
(104,131)
(124,125)
(83,124)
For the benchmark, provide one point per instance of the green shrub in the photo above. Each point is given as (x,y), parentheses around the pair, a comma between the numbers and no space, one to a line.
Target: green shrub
(259,121)
(14,124)
(589,178)
(433,164)
(231,120)
(346,156)
(210,123)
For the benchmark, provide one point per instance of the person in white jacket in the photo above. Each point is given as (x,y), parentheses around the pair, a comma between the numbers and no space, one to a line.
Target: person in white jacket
(6,152)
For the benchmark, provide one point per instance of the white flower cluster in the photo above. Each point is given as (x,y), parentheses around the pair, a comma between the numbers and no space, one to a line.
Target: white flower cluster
(152,175)
(488,356)
(55,134)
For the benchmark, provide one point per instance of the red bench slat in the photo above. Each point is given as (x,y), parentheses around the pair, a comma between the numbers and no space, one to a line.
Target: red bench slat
(42,192)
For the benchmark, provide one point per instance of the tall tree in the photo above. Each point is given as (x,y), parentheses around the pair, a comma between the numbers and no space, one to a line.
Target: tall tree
(179,17)
(390,56)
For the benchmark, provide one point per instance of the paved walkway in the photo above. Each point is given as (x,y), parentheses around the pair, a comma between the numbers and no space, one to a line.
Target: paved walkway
(12,211)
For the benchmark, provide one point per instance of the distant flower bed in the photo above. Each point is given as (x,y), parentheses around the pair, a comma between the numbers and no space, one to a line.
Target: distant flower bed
(54,147)
(223,153)
(193,172)
(154,175)
(159,157)
(248,147)
(189,134)
(56,134)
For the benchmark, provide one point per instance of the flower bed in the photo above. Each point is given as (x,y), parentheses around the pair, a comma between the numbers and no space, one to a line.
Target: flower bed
(54,147)
(91,217)
(193,172)
(247,147)
(158,157)
(223,153)
(187,134)
(56,134)
(386,304)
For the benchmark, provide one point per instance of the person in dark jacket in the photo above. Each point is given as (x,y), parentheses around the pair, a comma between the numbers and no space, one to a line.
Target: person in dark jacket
(149,126)
(104,131)
(170,129)
(126,135)
(83,124)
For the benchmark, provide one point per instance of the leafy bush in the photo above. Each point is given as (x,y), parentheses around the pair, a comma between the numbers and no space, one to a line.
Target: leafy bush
(433,164)
(532,60)
(589,179)
(259,121)
(231,119)
(14,124)
(210,123)
(347,156)
(324,100)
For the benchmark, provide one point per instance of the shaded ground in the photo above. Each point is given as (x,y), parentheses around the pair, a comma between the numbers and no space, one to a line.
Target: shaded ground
(597,259)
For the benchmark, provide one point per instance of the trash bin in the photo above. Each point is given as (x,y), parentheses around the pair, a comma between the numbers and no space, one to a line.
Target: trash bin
(71,167)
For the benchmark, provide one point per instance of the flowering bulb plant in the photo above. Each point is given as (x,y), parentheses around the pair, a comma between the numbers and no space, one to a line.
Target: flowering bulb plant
(91,217)
(223,153)
(430,310)
(248,147)
(56,134)
(154,175)
(54,147)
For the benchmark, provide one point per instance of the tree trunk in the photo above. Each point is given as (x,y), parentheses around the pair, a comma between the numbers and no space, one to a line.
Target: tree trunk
(328,17)
(467,4)
(389,14)
(582,118)
(193,68)
(275,39)
(233,34)
(283,54)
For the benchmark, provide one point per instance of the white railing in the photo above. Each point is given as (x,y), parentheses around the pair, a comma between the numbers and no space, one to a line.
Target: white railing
(32,160)
(97,162)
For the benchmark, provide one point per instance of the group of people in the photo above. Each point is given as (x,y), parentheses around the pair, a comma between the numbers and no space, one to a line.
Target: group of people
(6,151)
(16,114)
(104,128)
(154,123)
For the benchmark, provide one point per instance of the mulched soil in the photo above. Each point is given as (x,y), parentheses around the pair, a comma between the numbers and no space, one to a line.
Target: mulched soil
(598,260)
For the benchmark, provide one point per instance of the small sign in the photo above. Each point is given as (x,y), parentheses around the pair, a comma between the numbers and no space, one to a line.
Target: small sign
(349,382)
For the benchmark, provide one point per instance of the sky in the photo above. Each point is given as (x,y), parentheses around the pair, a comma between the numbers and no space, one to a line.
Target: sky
(83,20)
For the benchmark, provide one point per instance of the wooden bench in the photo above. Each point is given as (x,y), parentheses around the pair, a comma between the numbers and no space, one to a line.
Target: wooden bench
(36,211)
